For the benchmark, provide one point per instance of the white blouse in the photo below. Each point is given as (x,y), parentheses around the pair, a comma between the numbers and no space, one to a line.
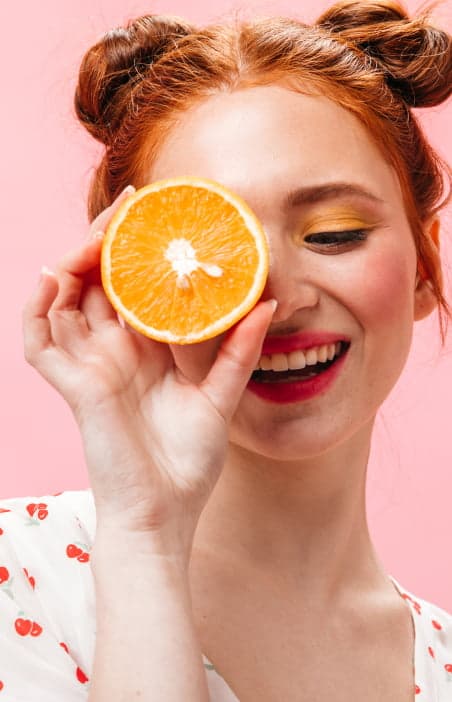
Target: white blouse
(47,608)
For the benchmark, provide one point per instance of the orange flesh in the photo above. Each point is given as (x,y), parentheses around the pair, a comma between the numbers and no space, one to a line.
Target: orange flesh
(145,281)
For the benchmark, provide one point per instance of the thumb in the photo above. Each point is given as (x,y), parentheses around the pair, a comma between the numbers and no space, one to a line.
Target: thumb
(237,358)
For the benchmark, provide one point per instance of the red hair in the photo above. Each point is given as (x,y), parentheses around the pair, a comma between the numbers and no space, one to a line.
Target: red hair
(370,57)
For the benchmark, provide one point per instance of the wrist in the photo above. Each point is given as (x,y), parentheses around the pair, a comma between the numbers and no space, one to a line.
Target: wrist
(137,550)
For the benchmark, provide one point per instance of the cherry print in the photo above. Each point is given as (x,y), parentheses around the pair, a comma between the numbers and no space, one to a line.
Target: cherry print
(23,626)
(81,677)
(1,686)
(73,551)
(40,508)
(415,604)
(2,510)
(80,551)
(36,629)
(1,531)
(31,579)
(26,626)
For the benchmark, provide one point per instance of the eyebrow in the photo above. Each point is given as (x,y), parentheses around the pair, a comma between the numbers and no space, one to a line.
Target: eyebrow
(328,191)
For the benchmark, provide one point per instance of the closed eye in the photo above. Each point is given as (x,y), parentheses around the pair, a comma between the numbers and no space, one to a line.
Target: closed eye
(337,239)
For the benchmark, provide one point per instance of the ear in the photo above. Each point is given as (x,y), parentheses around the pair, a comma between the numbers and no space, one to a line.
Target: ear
(424,298)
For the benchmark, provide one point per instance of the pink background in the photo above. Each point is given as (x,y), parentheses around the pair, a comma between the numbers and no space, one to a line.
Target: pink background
(47,161)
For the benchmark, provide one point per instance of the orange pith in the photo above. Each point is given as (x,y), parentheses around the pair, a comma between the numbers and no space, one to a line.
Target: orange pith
(183,259)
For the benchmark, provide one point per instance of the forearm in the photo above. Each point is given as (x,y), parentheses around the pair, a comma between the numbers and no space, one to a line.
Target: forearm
(146,642)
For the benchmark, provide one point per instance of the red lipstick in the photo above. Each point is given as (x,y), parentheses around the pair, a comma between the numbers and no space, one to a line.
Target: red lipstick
(303,389)
(304,340)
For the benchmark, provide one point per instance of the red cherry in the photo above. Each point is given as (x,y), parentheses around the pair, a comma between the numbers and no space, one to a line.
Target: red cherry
(81,677)
(448,667)
(83,558)
(73,551)
(63,645)
(36,629)
(1,685)
(23,626)
(417,689)
(31,579)
(431,651)
(1,531)
(41,508)
(417,607)
(31,508)
(436,624)
(4,574)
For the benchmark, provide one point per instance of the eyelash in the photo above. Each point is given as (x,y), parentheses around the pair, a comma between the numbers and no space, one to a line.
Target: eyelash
(340,238)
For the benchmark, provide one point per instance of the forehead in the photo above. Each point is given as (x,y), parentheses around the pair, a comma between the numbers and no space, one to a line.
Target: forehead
(262,142)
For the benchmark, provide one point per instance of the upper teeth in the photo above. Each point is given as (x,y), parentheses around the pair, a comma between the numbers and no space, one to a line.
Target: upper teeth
(299,359)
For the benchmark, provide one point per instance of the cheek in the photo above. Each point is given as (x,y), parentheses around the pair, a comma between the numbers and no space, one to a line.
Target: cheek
(382,304)
(382,288)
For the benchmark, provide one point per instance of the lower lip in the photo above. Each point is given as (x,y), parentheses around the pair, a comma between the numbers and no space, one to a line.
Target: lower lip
(298,390)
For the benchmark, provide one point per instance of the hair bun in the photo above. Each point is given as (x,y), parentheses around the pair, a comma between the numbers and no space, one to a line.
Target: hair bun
(416,57)
(117,61)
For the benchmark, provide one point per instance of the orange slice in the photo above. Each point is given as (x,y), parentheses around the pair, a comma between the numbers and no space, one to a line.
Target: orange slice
(183,259)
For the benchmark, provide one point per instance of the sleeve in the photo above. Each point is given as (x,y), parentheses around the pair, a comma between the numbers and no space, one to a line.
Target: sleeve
(47,599)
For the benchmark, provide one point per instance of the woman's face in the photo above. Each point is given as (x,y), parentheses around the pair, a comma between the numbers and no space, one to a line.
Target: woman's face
(264,143)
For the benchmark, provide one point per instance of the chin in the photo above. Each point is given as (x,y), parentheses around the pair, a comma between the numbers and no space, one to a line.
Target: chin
(302,437)
(288,443)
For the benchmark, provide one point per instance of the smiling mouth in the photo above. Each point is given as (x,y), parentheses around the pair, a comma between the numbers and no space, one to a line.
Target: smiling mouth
(289,376)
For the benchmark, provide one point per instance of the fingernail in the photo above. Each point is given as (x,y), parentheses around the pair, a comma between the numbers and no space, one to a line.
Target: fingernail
(128,190)
(45,271)
(273,304)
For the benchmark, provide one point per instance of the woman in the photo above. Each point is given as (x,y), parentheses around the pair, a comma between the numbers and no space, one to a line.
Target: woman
(230,552)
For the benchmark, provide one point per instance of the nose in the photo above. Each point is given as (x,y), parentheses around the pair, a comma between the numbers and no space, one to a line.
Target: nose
(291,283)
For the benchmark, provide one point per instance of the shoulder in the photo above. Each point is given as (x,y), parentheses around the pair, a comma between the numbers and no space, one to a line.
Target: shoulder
(47,599)
(70,502)
(49,517)
(429,614)
(434,624)
(433,646)
(46,541)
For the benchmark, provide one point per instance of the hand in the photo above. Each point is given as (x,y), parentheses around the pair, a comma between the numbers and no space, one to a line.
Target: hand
(154,442)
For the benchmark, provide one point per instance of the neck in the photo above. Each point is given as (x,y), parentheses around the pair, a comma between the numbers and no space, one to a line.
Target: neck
(298,523)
